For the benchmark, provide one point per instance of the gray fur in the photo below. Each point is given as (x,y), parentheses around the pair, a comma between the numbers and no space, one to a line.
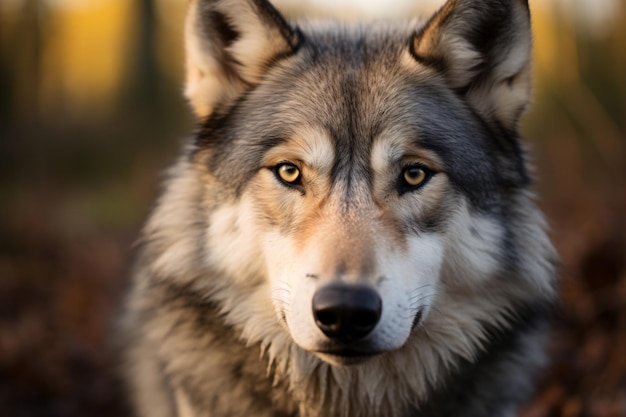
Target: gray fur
(201,335)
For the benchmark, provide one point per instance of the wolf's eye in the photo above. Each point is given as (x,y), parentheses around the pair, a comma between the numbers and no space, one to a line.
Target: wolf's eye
(415,176)
(288,173)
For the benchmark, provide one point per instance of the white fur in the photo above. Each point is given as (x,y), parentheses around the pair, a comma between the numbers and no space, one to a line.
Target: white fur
(409,283)
(233,242)
(474,253)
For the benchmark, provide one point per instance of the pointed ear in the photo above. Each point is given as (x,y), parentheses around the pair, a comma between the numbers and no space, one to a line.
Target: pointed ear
(483,49)
(229,45)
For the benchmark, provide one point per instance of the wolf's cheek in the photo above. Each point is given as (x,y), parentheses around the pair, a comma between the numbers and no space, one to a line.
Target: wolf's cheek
(475,248)
(232,246)
(410,288)
(292,288)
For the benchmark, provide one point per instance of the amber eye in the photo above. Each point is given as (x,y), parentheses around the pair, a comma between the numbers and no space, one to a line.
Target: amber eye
(288,173)
(415,175)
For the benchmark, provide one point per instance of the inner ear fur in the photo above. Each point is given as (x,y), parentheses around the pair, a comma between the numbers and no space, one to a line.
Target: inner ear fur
(229,45)
(483,48)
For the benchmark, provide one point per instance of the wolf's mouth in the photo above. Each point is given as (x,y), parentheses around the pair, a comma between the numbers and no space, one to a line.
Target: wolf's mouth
(349,353)
(346,356)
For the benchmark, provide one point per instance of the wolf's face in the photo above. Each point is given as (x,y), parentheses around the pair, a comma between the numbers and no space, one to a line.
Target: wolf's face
(348,209)
(368,172)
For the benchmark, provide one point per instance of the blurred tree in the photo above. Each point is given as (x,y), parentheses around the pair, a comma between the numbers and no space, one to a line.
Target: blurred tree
(146,77)
(20,67)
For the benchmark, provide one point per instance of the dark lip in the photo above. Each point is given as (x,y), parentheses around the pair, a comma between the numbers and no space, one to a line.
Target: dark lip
(418,318)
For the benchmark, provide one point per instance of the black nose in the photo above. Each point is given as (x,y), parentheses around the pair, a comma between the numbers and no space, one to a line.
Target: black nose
(346,312)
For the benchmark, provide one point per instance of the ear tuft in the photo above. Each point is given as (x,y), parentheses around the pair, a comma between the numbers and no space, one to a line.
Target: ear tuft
(483,49)
(223,28)
(229,45)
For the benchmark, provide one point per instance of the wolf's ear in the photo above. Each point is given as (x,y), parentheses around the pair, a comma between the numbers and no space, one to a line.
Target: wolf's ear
(483,48)
(229,45)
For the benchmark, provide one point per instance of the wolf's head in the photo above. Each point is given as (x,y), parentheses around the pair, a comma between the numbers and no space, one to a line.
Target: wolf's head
(368,180)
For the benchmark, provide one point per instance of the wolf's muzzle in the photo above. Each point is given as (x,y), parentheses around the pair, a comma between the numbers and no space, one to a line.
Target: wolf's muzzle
(346,312)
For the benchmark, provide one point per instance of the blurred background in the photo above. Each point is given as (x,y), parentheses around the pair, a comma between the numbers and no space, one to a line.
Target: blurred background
(91,111)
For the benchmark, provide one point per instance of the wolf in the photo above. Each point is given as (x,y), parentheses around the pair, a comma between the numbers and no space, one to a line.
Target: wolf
(351,231)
